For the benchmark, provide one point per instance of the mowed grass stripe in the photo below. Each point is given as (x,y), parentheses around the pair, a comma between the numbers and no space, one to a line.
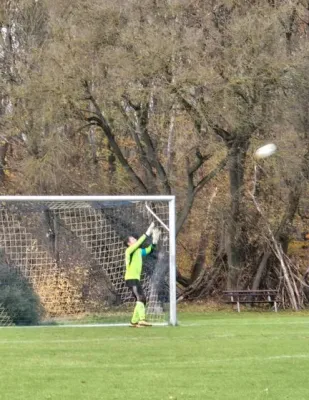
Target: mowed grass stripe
(43,342)
(186,363)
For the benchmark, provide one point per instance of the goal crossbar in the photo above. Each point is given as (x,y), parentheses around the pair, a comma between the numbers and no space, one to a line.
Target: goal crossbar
(87,198)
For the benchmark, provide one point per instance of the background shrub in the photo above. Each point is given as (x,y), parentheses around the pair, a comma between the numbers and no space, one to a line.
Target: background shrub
(18,298)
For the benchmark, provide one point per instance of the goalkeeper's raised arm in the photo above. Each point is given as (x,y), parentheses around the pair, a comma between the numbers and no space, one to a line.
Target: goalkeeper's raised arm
(133,245)
(134,264)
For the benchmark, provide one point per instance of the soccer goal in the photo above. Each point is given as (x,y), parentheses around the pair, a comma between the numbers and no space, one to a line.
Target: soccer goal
(70,252)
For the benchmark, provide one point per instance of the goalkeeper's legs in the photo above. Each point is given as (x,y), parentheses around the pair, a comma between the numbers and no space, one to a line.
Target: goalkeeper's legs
(139,310)
(138,318)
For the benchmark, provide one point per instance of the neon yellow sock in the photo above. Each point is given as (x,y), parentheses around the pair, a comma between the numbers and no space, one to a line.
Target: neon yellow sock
(141,311)
(138,313)
(135,317)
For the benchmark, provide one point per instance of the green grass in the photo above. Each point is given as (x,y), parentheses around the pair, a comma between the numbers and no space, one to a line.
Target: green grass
(209,356)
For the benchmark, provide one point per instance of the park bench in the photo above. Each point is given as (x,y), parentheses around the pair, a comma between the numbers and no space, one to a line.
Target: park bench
(251,297)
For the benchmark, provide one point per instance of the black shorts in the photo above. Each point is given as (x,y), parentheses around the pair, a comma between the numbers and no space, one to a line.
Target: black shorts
(136,287)
(134,282)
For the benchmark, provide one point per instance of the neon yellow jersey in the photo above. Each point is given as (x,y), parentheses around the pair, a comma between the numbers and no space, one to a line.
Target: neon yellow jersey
(134,261)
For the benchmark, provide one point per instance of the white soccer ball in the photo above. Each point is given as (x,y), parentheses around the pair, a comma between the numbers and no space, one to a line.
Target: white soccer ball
(265,151)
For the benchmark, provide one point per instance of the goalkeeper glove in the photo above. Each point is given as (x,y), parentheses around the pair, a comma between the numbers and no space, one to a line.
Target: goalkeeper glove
(156,235)
(150,229)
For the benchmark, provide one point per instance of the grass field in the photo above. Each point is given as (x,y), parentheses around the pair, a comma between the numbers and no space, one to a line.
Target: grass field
(209,356)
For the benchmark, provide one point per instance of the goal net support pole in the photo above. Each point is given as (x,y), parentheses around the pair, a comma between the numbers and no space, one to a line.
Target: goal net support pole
(172,264)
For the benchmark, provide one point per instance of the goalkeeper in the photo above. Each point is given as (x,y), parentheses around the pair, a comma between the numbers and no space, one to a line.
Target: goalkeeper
(134,263)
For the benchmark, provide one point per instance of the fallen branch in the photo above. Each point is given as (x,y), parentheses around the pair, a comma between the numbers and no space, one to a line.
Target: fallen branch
(285,265)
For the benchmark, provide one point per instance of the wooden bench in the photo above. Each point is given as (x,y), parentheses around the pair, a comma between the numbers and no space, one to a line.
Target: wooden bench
(251,297)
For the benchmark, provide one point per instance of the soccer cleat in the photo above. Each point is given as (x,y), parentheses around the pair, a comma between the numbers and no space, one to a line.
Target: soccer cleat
(144,323)
(135,325)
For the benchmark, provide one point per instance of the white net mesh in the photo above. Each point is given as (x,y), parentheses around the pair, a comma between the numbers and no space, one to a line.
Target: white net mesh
(72,255)
(5,319)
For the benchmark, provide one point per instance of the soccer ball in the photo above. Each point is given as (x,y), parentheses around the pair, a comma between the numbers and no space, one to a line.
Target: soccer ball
(265,151)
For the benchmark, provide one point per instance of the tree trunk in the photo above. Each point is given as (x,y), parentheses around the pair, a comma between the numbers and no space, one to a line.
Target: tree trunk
(170,143)
(3,151)
(199,263)
(235,254)
(260,270)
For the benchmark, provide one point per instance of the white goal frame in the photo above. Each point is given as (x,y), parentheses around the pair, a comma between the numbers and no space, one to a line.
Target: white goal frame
(171,230)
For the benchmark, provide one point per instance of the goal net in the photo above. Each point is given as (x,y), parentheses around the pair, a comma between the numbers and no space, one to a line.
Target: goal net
(62,259)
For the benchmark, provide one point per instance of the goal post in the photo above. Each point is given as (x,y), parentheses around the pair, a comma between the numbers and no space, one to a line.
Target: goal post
(69,250)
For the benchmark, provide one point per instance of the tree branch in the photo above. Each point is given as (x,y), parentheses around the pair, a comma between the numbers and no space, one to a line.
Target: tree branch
(225,135)
(198,118)
(104,125)
(199,162)
(142,116)
(210,176)
(192,191)
(141,151)
(193,112)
